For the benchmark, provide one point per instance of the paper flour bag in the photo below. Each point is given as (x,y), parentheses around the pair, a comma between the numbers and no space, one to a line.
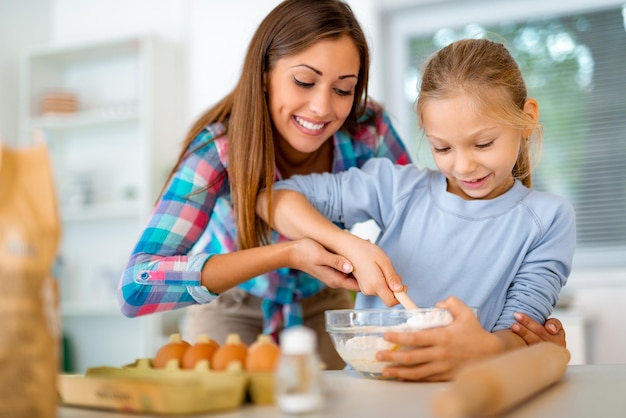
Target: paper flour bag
(29,319)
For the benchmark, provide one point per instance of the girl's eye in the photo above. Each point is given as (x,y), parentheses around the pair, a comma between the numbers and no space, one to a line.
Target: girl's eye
(441,150)
(303,84)
(485,145)
(344,92)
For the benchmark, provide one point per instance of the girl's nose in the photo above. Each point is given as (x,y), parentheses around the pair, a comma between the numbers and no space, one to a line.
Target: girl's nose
(464,164)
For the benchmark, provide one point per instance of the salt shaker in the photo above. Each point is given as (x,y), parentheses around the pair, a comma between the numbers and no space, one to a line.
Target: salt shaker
(298,378)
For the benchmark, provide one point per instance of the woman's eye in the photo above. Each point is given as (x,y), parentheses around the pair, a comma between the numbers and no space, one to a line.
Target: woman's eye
(302,83)
(344,92)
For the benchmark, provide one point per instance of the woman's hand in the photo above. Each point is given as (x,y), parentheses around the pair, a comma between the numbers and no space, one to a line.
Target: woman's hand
(533,332)
(334,270)
(436,354)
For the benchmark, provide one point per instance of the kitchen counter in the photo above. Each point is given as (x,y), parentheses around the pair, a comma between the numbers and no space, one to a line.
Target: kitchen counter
(585,391)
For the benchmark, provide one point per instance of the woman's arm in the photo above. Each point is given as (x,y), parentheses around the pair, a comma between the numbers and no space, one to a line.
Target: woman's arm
(224,271)
(162,267)
(189,242)
(292,215)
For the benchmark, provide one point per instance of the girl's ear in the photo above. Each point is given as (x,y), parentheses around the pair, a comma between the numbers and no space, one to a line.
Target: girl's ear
(531,108)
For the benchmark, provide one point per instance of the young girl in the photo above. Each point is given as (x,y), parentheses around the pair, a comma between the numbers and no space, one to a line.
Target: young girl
(300,107)
(472,234)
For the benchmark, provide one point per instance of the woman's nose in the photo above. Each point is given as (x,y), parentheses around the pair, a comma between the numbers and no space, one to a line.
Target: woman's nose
(320,103)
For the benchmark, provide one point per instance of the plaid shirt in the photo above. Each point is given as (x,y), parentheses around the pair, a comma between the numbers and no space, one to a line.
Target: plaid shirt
(192,222)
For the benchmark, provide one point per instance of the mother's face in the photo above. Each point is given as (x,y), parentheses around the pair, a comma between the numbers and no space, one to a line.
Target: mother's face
(311,93)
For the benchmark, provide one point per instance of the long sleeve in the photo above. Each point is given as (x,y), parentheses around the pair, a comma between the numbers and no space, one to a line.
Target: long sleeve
(503,255)
(546,266)
(166,260)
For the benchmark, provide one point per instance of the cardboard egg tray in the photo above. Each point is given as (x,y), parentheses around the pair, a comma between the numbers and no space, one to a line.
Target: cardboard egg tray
(138,387)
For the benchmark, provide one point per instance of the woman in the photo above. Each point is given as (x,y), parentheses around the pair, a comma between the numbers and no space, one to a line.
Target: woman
(299,107)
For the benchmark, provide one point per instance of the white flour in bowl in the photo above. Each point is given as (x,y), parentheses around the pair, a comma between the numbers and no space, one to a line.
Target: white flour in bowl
(429,319)
(360,351)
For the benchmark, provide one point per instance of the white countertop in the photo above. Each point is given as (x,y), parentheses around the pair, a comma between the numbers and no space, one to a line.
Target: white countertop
(585,391)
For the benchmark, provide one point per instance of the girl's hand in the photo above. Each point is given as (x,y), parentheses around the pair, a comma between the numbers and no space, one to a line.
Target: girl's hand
(436,354)
(533,332)
(373,269)
(334,270)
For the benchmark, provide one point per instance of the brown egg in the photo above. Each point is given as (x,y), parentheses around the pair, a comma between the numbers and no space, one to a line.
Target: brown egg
(173,350)
(233,350)
(262,355)
(203,349)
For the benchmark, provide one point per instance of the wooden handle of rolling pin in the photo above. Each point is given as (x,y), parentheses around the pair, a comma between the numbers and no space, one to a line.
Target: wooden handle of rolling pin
(491,386)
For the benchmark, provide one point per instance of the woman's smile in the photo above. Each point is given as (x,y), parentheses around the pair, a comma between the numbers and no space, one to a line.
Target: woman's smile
(308,126)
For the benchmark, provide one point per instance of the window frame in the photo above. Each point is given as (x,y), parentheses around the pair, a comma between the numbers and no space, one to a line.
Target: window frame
(592,268)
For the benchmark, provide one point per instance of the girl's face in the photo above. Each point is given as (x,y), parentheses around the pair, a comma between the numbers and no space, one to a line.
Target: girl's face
(311,93)
(475,153)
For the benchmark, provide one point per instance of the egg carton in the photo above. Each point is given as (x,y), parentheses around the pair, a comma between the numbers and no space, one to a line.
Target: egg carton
(138,387)
(259,387)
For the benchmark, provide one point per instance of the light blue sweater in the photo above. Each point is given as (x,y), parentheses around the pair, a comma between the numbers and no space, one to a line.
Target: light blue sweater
(504,255)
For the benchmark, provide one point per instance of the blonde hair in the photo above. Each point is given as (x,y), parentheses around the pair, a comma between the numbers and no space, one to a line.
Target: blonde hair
(486,72)
(291,27)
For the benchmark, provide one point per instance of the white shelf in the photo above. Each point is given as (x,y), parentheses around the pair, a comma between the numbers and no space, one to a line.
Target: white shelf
(97,212)
(109,157)
(86,118)
(79,309)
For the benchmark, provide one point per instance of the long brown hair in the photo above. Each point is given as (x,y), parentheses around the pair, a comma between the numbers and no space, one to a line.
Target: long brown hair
(292,26)
(486,71)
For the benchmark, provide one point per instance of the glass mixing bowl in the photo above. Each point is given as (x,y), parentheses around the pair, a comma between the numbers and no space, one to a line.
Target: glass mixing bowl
(357,334)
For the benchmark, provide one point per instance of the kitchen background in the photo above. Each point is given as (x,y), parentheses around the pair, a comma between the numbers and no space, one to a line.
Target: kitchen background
(140,71)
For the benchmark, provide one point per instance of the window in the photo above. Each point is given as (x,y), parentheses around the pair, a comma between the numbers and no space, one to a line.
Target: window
(572,57)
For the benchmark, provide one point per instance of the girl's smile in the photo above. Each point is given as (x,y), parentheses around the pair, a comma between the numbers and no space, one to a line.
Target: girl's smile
(475,184)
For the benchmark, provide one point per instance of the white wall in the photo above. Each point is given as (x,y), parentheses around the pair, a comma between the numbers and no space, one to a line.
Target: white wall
(87,20)
(23,23)
(218,35)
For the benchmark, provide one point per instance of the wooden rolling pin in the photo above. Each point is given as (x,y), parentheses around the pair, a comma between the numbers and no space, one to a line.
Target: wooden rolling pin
(491,386)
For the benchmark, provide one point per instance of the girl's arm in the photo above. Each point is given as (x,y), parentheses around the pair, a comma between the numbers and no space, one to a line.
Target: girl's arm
(436,354)
(292,215)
